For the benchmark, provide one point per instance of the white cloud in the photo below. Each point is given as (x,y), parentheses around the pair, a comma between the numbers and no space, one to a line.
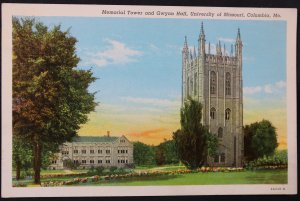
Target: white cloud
(116,52)
(213,49)
(280,84)
(153,47)
(226,40)
(252,90)
(151,101)
(268,88)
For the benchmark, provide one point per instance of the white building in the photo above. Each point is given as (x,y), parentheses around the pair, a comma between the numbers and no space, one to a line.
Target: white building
(88,151)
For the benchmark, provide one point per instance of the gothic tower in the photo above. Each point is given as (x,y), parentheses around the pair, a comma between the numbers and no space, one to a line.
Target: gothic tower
(216,81)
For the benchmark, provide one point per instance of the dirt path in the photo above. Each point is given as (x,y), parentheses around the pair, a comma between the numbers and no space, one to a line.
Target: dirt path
(68,171)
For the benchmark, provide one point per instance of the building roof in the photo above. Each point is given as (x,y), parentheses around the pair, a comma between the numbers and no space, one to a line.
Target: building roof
(94,139)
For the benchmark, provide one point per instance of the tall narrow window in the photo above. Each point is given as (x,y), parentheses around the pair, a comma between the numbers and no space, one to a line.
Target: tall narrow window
(228,84)
(188,87)
(222,157)
(216,158)
(213,80)
(220,132)
(227,114)
(191,86)
(195,84)
(212,113)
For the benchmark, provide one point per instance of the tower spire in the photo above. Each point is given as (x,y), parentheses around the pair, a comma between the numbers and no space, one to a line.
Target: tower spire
(219,48)
(238,37)
(209,48)
(201,42)
(195,52)
(185,42)
(238,44)
(224,50)
(202,29)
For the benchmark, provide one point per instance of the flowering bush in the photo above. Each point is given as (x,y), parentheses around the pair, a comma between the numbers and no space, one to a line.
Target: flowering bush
(97,178)
(19,185)
(62,175)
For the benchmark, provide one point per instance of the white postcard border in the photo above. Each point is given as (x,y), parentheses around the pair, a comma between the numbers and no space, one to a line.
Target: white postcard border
(9,10)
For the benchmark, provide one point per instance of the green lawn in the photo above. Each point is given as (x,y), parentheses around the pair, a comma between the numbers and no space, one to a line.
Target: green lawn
(200,178)
(211,178)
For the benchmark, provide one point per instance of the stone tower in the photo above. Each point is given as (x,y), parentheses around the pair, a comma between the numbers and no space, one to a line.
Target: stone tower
(216,81)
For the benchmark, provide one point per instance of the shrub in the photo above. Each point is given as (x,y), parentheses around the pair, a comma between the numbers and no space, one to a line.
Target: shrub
(112,169)
(130,165)
(99,170)
(278,159)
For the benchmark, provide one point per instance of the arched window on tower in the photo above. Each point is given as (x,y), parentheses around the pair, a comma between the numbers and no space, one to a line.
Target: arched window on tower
(212,113)
(220,132)
(195,84)
(228,84)
(227,114)
(213,80)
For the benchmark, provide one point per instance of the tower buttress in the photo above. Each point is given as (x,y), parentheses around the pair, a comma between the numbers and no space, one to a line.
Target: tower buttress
(201,69)
(185,57)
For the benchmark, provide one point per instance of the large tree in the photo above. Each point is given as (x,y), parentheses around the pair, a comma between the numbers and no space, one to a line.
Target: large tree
(22,155)
(168,148)
(191,139)
(265,139)
(143,154)
(260,140)
(50,96)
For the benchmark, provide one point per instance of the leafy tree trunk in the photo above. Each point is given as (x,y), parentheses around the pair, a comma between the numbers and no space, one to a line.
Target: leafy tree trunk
(37,160)
(18,169)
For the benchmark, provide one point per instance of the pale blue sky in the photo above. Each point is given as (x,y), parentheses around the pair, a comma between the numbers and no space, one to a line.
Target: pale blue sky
(153,67)
(138,60)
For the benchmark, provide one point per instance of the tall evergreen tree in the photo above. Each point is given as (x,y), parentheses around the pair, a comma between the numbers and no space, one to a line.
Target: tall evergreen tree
(191,139)
(50,96)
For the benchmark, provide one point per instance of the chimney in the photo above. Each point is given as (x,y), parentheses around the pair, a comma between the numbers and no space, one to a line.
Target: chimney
(108,133)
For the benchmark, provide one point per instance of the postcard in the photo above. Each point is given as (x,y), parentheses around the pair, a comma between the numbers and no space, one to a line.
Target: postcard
(103,100)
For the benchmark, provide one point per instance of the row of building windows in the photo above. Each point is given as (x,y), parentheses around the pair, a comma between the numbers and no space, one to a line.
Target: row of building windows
(84,151)
(123,151)
(91,161)
(65,152)
(213,83)
(192,85)
(122,161)
(213,113)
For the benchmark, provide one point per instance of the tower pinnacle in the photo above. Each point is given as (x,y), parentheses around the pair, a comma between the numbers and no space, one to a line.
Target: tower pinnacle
(185,42)
(202,29)
(201,42)
(238,37)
